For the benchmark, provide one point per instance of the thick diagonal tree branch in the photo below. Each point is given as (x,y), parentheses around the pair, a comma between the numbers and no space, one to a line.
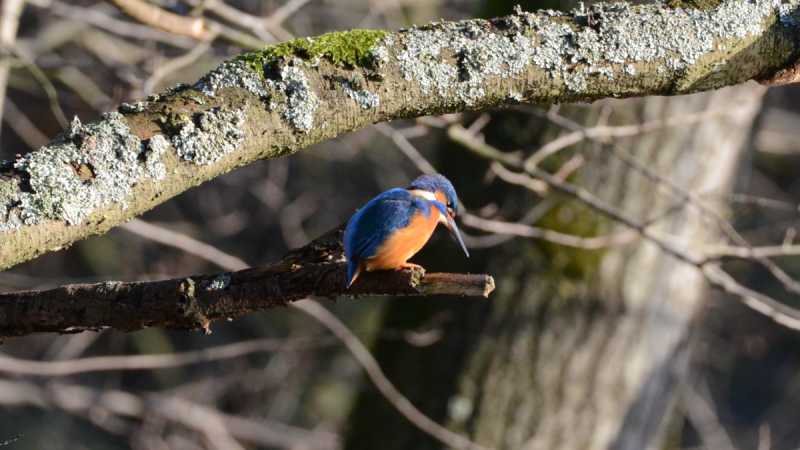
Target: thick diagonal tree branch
(274,102)
(317,269)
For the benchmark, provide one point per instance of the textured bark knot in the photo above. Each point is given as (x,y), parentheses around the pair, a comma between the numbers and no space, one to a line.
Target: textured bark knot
(188,309)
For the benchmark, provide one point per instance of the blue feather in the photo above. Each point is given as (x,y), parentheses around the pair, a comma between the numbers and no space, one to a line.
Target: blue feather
(352,268)
(436,182)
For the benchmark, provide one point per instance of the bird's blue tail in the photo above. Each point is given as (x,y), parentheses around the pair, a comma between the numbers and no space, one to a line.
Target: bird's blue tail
(352,271)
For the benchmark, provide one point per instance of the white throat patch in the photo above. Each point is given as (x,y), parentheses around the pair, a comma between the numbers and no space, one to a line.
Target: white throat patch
(424,194)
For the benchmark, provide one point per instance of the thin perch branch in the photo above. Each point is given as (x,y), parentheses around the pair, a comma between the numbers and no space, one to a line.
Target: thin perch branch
(192,303)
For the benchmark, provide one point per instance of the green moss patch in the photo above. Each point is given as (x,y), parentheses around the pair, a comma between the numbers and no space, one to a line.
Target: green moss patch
(344,47)
(702,5)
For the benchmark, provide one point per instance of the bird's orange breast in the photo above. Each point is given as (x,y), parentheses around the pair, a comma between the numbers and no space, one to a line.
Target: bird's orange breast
(404,243)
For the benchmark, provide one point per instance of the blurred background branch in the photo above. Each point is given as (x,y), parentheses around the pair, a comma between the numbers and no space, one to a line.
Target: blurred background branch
(153,16)
(9,22)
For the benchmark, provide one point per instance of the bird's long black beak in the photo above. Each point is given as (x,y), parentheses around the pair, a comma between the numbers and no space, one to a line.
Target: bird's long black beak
(451,225)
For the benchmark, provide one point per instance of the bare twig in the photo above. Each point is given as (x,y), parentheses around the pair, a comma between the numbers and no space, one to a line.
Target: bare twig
(156,17)
(23,127)
(145,362)
(103,21)
(74,345)
(9,22)
(704,419)
(459,134)
(531,217)
(239,37)
(717,252)
(553,147)
(84,87)
(406,147)
(505,228)
(240,18)
(44,81)
(767,306)
(523,179)
(267,29)
(284,12)
(761,202)
(292,216)
(518,229)
(788,282)
(176,64)
(510,229)
(479,123)
(181,241)
(570,166)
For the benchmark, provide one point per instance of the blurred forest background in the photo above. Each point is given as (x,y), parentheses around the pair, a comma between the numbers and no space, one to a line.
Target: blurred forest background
(279,379)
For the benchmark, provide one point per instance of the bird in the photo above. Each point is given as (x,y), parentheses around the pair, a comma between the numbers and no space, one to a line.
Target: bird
(395,225)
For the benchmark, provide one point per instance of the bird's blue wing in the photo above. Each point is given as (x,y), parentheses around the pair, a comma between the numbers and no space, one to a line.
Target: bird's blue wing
(375,222)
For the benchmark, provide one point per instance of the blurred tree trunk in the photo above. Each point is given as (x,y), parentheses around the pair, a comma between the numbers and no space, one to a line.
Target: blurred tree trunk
(579,349)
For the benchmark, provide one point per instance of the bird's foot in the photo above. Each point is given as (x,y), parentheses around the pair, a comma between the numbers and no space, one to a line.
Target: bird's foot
(409,265)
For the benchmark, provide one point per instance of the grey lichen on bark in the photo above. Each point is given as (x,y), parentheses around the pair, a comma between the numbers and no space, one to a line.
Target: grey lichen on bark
(274,102)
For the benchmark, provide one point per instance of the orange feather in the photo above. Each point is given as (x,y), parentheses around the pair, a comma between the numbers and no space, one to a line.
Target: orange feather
(404,243)
(440,196)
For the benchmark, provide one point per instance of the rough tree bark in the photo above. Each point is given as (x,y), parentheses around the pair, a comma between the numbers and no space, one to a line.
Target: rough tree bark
(274,102)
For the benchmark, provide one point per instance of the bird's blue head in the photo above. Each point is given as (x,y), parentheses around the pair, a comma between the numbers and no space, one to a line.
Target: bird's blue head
(441,188)
(437,187)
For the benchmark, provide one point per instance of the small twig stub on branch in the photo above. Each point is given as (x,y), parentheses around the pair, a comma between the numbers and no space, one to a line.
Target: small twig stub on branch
(317,269)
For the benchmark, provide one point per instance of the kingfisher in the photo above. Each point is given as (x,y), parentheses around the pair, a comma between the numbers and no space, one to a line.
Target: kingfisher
(395,225)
